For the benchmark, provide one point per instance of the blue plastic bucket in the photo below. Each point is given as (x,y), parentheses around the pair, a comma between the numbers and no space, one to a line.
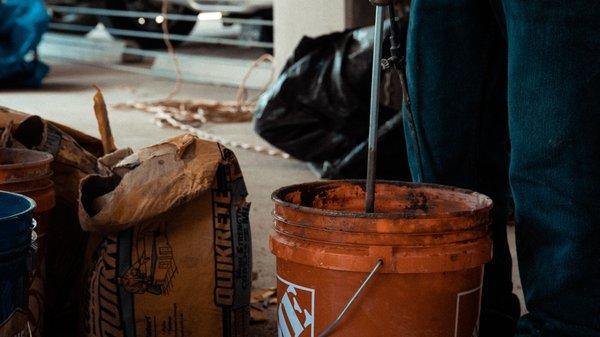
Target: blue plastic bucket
(16,221)
(16,252)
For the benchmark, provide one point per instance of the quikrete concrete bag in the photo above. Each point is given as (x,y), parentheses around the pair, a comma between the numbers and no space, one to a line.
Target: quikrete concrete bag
(175,259)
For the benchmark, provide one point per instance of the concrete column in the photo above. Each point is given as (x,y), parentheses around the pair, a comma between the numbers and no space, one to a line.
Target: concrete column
(359,13)
(294,19)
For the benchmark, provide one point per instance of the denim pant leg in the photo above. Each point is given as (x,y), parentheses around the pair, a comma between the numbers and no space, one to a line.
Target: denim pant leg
(457,134)
(554,107)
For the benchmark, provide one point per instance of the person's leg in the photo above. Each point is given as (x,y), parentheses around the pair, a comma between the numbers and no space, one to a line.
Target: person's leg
(554,112)
(457,134)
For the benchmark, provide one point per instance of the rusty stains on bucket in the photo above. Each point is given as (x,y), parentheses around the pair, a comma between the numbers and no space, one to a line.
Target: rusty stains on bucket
(433,241)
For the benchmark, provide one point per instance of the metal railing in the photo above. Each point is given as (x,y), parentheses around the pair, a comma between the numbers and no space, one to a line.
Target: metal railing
(157,35)
(191,54)
(152,15)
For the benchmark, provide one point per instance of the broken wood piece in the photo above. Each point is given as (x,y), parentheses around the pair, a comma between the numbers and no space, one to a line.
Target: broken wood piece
(108,142)
(6,135)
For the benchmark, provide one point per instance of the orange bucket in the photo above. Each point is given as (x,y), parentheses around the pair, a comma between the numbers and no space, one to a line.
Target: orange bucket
(414,268)
(28,172)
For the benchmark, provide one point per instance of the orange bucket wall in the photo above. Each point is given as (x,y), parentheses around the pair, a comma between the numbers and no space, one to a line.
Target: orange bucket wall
(433,241)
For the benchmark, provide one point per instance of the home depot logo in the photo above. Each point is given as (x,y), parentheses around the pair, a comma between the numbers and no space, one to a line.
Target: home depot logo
(296,310)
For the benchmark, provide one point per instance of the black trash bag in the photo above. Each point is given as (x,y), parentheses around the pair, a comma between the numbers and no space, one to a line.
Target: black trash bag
(318,108)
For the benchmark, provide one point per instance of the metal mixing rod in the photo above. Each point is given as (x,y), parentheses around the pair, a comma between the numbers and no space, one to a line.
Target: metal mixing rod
(380,6)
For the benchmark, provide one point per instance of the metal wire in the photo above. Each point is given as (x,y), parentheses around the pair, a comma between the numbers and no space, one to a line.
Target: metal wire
(150,15)
(152,35)
(170,50)
(331,327)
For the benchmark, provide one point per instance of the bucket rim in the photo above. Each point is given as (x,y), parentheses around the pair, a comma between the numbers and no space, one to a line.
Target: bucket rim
(278,193)
(45,159)
(30,209)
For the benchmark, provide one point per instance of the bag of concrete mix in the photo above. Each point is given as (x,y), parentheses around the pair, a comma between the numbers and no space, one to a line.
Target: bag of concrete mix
(56,280)
(175,259)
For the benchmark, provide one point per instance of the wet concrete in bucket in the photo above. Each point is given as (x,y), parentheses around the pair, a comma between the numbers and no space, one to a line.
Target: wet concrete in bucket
(393,199)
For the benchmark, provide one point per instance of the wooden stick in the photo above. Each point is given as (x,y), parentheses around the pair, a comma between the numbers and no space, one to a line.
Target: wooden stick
(108,142)
(6,136)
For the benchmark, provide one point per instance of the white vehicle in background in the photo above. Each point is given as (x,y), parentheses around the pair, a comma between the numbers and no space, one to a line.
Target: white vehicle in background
(120,26)
(237,6)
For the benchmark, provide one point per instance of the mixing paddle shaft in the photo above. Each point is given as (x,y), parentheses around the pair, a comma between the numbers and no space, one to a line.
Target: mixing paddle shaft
(374,108)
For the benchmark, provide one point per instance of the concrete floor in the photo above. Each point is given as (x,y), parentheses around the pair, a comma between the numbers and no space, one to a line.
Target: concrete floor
(66,97)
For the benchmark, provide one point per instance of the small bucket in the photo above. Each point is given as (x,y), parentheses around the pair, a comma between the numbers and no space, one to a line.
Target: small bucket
(16,261)
(20,165)
(28,172)
(16,222)
(414,268)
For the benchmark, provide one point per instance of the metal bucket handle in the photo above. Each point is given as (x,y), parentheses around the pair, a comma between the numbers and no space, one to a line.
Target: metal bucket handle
(331,327)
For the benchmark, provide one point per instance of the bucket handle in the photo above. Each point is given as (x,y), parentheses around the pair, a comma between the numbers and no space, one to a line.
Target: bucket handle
(352,300)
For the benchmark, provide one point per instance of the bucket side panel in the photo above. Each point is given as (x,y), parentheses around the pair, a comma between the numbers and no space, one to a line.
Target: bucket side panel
(408,305)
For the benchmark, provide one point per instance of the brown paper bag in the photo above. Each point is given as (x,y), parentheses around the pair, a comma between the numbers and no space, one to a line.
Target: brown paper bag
(176,254)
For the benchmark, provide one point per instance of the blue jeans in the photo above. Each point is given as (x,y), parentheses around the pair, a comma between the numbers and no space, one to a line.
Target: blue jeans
(506,100)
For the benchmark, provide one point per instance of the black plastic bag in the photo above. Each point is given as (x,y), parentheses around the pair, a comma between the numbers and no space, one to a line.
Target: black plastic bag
(318,108)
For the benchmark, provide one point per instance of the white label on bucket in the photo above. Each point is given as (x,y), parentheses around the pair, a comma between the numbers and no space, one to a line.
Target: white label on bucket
(467,322)
(296,310)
